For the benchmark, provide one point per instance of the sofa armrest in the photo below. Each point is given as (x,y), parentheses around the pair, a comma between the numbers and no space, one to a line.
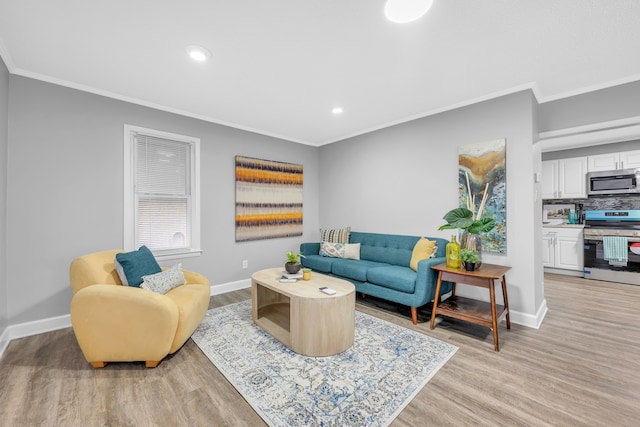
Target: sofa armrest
(427,279)
(193,278)
(120,323)
(310,248)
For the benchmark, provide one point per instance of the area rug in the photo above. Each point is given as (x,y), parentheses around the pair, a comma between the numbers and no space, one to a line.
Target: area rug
(368,384)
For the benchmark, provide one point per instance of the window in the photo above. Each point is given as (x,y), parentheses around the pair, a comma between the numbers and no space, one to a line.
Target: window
(162,209)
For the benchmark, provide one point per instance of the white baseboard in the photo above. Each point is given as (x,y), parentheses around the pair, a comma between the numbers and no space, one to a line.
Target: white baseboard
(230,287)
(35,327)
(530,320)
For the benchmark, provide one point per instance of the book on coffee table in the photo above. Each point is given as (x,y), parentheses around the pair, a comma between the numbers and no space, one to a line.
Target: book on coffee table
(297,275)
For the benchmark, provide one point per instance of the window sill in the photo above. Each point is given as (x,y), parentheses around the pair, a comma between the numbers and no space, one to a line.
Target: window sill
(178,254)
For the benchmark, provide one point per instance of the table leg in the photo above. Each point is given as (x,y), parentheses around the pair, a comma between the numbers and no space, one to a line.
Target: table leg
(435,300)
(506,301)
(494,320)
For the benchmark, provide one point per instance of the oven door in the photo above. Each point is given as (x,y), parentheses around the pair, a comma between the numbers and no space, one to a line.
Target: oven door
(594,255)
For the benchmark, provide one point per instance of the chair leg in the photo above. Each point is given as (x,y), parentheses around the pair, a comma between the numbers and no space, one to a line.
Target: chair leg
(414,315)
(152,363)
(98,364)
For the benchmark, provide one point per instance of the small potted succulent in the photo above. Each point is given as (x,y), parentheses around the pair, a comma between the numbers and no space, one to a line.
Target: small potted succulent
(469,258)
(292,263)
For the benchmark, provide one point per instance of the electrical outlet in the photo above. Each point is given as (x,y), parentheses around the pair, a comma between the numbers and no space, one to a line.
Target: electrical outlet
(245,263)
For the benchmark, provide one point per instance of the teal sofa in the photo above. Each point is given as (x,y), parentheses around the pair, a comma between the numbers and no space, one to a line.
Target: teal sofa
(383,268)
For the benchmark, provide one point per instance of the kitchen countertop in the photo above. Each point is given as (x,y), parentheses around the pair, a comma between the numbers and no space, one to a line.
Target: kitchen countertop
(561,225)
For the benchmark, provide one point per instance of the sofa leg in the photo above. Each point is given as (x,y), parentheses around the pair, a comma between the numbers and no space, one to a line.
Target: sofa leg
(363,295)
(98,364)
(151,363)
(414,315)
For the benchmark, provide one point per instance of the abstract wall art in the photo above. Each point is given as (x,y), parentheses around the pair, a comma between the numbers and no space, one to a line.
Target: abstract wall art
(268,199)
(484,166)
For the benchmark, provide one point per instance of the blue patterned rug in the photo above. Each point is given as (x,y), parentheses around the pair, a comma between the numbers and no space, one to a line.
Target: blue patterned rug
(368,384)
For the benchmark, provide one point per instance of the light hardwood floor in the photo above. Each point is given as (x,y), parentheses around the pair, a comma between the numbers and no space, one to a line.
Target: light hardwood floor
(581,368)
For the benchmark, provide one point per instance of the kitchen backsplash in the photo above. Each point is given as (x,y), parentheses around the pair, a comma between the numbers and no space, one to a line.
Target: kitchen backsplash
(601,203)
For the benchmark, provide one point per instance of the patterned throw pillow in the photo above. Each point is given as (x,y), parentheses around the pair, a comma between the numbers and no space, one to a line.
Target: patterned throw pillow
(338,235)
(164,281)
(334,250)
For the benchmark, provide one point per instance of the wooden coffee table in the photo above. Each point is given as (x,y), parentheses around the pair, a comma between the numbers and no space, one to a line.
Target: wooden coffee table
(301,317)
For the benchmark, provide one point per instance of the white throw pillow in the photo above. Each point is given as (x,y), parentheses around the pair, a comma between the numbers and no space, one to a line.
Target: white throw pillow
(352,251)
(164,281)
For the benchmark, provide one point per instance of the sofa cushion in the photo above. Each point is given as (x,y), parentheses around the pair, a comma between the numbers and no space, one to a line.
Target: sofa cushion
(319,263)
(424,249)
(131,266)
(401,279)
(339,235)
(353,269)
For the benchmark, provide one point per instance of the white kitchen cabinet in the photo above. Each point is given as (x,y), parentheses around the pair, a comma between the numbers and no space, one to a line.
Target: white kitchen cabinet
(614,161)
(564,179)
(563,248)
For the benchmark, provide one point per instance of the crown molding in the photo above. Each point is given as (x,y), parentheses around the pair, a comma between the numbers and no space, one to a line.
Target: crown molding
(589,135)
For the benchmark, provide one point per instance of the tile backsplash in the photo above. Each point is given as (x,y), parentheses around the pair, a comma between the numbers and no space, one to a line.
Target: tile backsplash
(601,203)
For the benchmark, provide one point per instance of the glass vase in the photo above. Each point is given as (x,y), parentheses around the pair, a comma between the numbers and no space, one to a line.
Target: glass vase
(472,241)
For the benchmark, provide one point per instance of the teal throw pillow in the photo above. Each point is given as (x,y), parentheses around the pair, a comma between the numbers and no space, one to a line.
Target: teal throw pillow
(131,266)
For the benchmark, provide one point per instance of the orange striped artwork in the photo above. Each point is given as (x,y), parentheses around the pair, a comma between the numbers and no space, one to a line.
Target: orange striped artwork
(268,199)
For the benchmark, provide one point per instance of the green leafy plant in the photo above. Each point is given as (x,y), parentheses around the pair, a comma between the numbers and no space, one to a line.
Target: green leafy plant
(463,219)
(469,255)
(293,258)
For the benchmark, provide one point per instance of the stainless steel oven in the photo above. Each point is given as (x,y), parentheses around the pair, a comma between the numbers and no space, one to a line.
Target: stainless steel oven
(612,246)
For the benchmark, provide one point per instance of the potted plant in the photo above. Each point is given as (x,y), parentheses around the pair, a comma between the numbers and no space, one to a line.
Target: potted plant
(469,258)
(292,263)
(470,222)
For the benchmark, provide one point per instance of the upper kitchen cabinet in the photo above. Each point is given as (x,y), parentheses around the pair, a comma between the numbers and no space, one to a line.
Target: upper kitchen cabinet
(614,161)
(564,179)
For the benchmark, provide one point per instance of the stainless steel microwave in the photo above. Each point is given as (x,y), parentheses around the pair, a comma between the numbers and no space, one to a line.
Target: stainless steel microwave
(623,181)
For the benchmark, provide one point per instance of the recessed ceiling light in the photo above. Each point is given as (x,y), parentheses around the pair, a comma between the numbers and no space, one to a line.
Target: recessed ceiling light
(403,11)
(337,110)
(198,53)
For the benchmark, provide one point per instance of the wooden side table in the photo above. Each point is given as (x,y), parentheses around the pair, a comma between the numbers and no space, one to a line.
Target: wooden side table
(470,310)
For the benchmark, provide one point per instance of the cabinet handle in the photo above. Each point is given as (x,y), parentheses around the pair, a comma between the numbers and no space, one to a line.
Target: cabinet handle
(621,164)
(559,194)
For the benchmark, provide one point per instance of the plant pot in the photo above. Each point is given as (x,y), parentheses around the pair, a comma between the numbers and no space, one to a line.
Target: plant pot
(470,266)
(472,241)
(292,268)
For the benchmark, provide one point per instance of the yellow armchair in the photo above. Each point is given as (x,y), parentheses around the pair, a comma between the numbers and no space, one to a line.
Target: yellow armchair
(115,323)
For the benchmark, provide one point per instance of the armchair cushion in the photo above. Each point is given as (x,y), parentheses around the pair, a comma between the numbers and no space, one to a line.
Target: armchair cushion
(131,266)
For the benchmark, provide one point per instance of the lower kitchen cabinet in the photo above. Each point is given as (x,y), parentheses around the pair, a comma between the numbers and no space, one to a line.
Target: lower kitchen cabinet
(563,249)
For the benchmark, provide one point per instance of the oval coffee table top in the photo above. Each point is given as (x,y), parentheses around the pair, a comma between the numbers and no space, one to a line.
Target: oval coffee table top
(303,288)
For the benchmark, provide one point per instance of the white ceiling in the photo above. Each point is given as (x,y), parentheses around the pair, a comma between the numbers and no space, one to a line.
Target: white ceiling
(278,67)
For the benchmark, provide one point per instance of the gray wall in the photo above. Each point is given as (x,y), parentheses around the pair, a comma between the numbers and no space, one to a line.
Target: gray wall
(65,191)
(404,178)
(4,135)
(614,103)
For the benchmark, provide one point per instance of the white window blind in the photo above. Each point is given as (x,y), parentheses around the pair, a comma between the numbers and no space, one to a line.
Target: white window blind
(162,193)
(164,197)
